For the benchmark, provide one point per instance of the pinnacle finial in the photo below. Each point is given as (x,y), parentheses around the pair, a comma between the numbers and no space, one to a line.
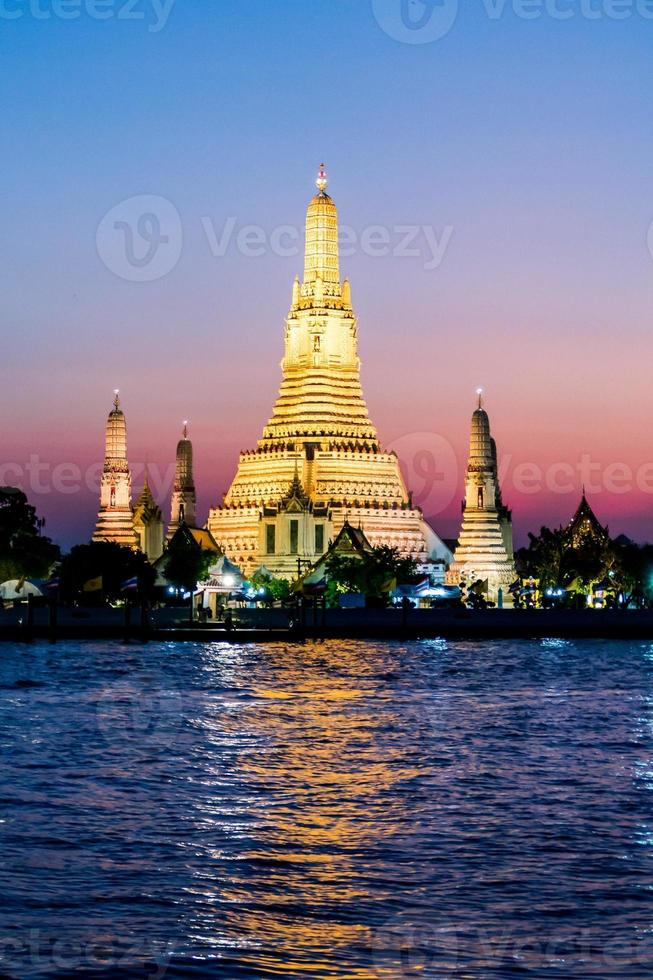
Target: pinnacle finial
(116,397)
(185,428)
(480,393)
(322,181)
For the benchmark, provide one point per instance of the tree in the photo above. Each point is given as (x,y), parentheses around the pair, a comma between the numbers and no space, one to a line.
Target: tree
(108,561)
(185,566)
(277,589)
(24,551)
(551,558)
(373,574)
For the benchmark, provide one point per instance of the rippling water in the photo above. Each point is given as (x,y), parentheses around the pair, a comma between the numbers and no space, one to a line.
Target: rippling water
(336,809)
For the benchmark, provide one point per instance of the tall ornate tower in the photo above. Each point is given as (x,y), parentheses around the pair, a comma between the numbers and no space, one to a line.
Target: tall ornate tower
(182,510)
(485,546)
(319,461)
(115,518)
(148,524)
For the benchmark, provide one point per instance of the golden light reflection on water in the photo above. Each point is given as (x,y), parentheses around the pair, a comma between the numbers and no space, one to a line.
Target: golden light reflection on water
(362,810)
(320,784)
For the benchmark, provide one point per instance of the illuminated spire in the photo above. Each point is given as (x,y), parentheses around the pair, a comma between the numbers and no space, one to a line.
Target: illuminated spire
(322,181)
(115,440)
(479,392)
(183,503)
(321,260)
(115,518)
(480,442)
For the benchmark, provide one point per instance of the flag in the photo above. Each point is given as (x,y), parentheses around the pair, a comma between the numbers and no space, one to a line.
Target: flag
(130,584)
(93,585)
(315,588)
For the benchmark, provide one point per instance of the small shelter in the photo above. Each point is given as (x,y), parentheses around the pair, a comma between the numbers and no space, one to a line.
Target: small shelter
(225,582)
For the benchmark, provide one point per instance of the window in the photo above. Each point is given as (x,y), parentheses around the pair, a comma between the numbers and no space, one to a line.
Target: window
(319,539)
(270,539)
(294,537)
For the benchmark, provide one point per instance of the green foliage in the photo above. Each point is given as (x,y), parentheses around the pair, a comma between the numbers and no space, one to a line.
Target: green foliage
(373,574)
(23,550)
(550,558)
(277,589)
(186,565)
(111,561)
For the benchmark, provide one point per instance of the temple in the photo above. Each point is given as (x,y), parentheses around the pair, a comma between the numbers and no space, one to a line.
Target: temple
(139,527)
(184,499)
(115,519)
(585,527)
(484,551)
(319,461)
(148,524)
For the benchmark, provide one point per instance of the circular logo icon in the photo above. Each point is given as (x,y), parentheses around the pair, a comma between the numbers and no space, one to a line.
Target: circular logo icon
(415,21)
(140,239)
(430,469)
(649,239)
(142,718)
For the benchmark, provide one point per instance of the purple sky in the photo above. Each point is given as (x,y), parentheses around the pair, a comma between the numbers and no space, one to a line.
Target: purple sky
(517,152)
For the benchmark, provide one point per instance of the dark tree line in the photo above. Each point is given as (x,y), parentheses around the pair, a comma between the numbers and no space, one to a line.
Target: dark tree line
(24,550)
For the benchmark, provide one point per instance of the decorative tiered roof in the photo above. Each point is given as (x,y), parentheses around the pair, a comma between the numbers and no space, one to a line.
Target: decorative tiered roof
(585,526)
(320,398)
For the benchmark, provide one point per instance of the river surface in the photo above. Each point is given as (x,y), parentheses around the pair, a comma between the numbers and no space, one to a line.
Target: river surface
(338,809)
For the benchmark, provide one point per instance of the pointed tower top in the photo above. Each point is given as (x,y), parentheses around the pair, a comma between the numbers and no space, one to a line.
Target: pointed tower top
(480,447)
(322,181)
(185,428)
(321,256)
(296,490)
(116,398)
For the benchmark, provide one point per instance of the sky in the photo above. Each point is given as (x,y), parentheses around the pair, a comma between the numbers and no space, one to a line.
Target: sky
(493,169)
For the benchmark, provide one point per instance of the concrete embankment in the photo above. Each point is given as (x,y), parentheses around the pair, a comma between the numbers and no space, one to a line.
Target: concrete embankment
(260,625)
